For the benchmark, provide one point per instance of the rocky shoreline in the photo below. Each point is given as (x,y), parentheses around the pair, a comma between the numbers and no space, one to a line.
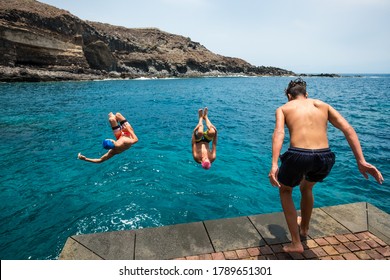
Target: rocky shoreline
(25,74)
(328,75)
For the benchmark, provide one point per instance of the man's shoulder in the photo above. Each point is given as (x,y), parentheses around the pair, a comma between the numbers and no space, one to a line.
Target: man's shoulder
(319,103)
(282,107)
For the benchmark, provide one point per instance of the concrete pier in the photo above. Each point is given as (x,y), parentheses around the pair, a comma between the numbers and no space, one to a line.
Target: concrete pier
(350,231)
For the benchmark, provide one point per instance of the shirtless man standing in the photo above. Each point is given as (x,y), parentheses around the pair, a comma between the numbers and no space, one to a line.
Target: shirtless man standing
(125,138)
(308,159)
(201,141)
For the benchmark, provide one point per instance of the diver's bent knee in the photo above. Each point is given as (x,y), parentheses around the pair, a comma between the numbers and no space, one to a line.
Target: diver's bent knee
(211,132)
(112,119)
(119,116)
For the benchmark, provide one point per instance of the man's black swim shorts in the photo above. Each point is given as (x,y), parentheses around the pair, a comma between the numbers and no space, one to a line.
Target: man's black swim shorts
(297,164)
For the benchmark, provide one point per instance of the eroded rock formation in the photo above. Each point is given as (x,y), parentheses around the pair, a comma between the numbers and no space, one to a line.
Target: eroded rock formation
(39,42)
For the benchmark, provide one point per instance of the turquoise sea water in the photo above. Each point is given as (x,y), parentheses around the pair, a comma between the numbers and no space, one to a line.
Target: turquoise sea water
(47,194)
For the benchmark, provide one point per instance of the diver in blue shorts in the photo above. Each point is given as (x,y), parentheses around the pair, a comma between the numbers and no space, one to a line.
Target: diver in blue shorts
(309,159)
(125,138)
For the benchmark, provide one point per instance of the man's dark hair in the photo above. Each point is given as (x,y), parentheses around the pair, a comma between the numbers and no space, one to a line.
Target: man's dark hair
(296,87)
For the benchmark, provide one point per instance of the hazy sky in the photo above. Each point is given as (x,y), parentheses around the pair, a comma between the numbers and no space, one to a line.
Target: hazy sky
(304,36)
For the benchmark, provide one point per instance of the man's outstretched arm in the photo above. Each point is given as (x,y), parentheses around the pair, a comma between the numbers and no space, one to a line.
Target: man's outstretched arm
(338,121)
(105,157)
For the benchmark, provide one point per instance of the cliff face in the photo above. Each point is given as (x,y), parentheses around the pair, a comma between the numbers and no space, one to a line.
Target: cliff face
(41,42)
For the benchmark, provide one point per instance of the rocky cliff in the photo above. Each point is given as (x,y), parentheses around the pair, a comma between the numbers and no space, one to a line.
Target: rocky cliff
(39,42)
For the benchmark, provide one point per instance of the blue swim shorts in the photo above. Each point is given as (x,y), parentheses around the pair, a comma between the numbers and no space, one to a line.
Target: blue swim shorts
(298,164)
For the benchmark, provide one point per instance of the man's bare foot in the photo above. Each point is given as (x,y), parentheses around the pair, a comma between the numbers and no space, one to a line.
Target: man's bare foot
(293,248)
(200,113)
(205,112)
(302,232)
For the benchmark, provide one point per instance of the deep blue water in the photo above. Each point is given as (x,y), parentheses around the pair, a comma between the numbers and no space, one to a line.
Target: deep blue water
(47,194)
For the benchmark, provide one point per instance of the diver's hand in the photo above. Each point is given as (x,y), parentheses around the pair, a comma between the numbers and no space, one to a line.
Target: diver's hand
(365,167)
(80,156)
(273,175)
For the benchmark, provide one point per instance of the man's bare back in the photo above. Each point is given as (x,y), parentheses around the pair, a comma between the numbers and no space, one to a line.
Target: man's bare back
(307,121)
